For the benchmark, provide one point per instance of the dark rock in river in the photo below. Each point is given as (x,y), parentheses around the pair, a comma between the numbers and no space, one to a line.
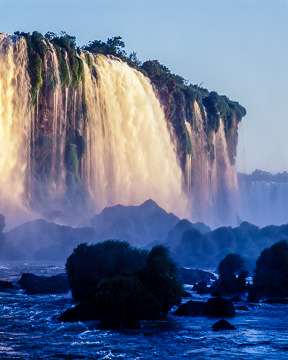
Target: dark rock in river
(201,288)
(219,307)
(252,298)
(6,285)
(216,307)
(34,284)
(223,325)
(191,308)
(87,311)
(82,312)
(242,308)
(193,276)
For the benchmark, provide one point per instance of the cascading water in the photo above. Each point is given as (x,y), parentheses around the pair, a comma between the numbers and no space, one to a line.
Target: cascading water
(97,137)
(15,124)
(224,180)
(211,179)
(130,156)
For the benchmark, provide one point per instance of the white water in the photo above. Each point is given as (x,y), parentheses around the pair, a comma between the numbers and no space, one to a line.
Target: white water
(130,156)
(15,122)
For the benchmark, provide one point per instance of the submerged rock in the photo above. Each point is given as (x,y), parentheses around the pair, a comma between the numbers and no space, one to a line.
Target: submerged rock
(34,284)
(219,307)
(222,325)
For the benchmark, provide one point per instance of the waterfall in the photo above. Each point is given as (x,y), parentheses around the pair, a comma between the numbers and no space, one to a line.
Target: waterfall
(130,156)
(224,180)
(15,124)
(213,178)
(100,139)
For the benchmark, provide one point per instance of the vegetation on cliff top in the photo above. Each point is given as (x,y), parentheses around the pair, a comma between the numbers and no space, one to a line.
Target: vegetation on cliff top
(173,89)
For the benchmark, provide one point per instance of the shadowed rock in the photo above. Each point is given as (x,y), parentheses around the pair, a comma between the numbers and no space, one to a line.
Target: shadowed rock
(191,308)
(34,284)
(223,325)
(6,285)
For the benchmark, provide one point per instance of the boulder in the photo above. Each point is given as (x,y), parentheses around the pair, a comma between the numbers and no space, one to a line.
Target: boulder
(219,307)
(84,311)
(34,284)
(191,308)
(6,285)
(223,325)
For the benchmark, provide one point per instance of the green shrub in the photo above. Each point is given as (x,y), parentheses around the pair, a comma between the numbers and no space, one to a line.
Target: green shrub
(35,73)
(89,264)
(64,72)
(77,70)
(125,284)
(88,59)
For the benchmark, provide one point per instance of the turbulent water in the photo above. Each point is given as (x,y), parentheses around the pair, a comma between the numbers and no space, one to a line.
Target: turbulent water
(29,329)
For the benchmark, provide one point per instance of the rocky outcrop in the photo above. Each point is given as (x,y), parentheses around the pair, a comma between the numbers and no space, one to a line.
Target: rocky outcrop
(34,284)
(214,307)
(6,286)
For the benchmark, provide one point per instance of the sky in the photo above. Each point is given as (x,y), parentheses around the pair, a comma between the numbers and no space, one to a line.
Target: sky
(238,48)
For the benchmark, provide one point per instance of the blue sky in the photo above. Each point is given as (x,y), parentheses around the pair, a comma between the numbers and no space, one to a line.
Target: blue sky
(238,48)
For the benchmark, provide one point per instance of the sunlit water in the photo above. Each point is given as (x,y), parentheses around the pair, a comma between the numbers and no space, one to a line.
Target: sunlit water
(29,329)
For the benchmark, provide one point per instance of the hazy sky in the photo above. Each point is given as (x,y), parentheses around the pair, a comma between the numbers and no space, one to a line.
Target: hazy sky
(238,48)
